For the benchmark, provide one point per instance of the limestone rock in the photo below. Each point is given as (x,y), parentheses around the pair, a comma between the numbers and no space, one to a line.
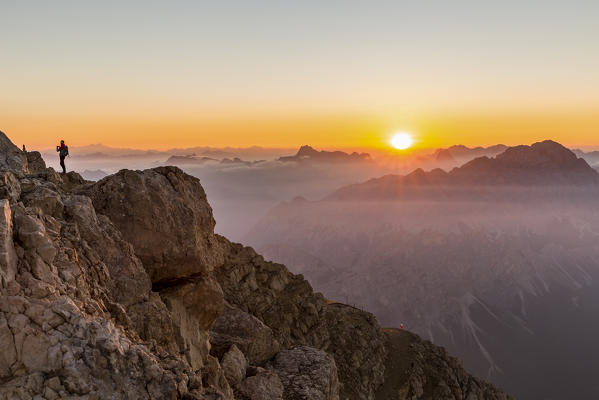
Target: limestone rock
(8,256)
(282,301)
(360,356)
(10,186)
(234,365)
(194,305)
(164,214)
(307,373)
(35,162)
(265,385)
(48,200)
(235,328)
(299,317)
(12,158)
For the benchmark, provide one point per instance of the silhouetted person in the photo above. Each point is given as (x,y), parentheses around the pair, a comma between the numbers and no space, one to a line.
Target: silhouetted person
(63,151)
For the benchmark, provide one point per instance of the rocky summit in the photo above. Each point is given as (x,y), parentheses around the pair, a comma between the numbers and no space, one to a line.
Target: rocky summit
(119,289)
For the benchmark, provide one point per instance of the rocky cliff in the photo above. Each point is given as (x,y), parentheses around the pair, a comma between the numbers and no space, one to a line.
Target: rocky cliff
(120,289)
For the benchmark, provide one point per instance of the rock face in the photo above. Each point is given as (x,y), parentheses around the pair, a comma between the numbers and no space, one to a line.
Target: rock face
(307,373)
(120,289)
(417,369)
(12,158)
(164,214)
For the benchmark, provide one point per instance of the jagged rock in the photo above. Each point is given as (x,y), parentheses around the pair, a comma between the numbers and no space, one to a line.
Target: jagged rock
(236,328)
(214,378)
(426,371)
(360,356)
(8,256)
(265,385)
(35,162)
(10,186)
(76,305)
(234,365)
(307,373)
(12,158)
(164,214)
(48,200)
(194,305)
(268,291)
(298,316)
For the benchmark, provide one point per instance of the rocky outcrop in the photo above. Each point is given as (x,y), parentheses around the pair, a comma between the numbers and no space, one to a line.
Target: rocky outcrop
(65,322)
(35,162)
(417,369)
(297,316)
(120,289)
(11,157)
(164,214)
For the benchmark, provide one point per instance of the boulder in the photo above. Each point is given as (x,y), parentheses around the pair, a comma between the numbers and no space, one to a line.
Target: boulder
(265,385)
(307,373)
(235,328)
(234,365)
(164,214)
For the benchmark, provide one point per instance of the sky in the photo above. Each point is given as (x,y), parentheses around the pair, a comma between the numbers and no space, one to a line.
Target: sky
(333,74)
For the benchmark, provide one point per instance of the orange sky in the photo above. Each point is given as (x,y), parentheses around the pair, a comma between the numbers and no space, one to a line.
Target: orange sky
(325,131)
(329,74)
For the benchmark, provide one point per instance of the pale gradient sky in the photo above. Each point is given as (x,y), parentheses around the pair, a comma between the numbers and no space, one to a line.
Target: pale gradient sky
(155,74)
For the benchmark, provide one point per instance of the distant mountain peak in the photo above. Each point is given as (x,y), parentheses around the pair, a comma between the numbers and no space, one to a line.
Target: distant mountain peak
(310,154)
(306,150)
(545,152)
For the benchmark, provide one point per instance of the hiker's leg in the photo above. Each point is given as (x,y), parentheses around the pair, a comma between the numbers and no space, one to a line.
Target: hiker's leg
(64,170)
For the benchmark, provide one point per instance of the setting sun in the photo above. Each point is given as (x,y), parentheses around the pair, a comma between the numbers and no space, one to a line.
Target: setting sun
(402,140)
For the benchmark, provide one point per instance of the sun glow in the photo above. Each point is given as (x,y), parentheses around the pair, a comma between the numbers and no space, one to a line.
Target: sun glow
(402,140)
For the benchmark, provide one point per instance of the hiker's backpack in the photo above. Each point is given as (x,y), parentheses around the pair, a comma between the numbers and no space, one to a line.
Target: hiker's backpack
(64,151)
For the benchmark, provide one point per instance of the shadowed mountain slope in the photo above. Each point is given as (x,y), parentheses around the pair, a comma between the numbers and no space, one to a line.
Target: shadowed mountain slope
(542,164)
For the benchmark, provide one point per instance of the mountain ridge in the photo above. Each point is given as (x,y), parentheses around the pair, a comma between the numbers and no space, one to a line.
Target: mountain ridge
(309,154)
(541,164)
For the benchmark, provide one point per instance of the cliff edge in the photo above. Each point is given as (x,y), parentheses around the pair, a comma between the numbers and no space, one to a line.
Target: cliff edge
(120,289)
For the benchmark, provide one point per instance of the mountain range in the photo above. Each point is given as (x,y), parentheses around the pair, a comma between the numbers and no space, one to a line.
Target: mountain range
(543,164)
(496,260)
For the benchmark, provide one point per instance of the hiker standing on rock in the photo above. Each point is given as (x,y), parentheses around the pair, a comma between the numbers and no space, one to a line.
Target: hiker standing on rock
(63,151)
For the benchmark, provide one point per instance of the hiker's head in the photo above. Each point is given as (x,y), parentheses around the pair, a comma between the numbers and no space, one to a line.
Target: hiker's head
(62,142)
